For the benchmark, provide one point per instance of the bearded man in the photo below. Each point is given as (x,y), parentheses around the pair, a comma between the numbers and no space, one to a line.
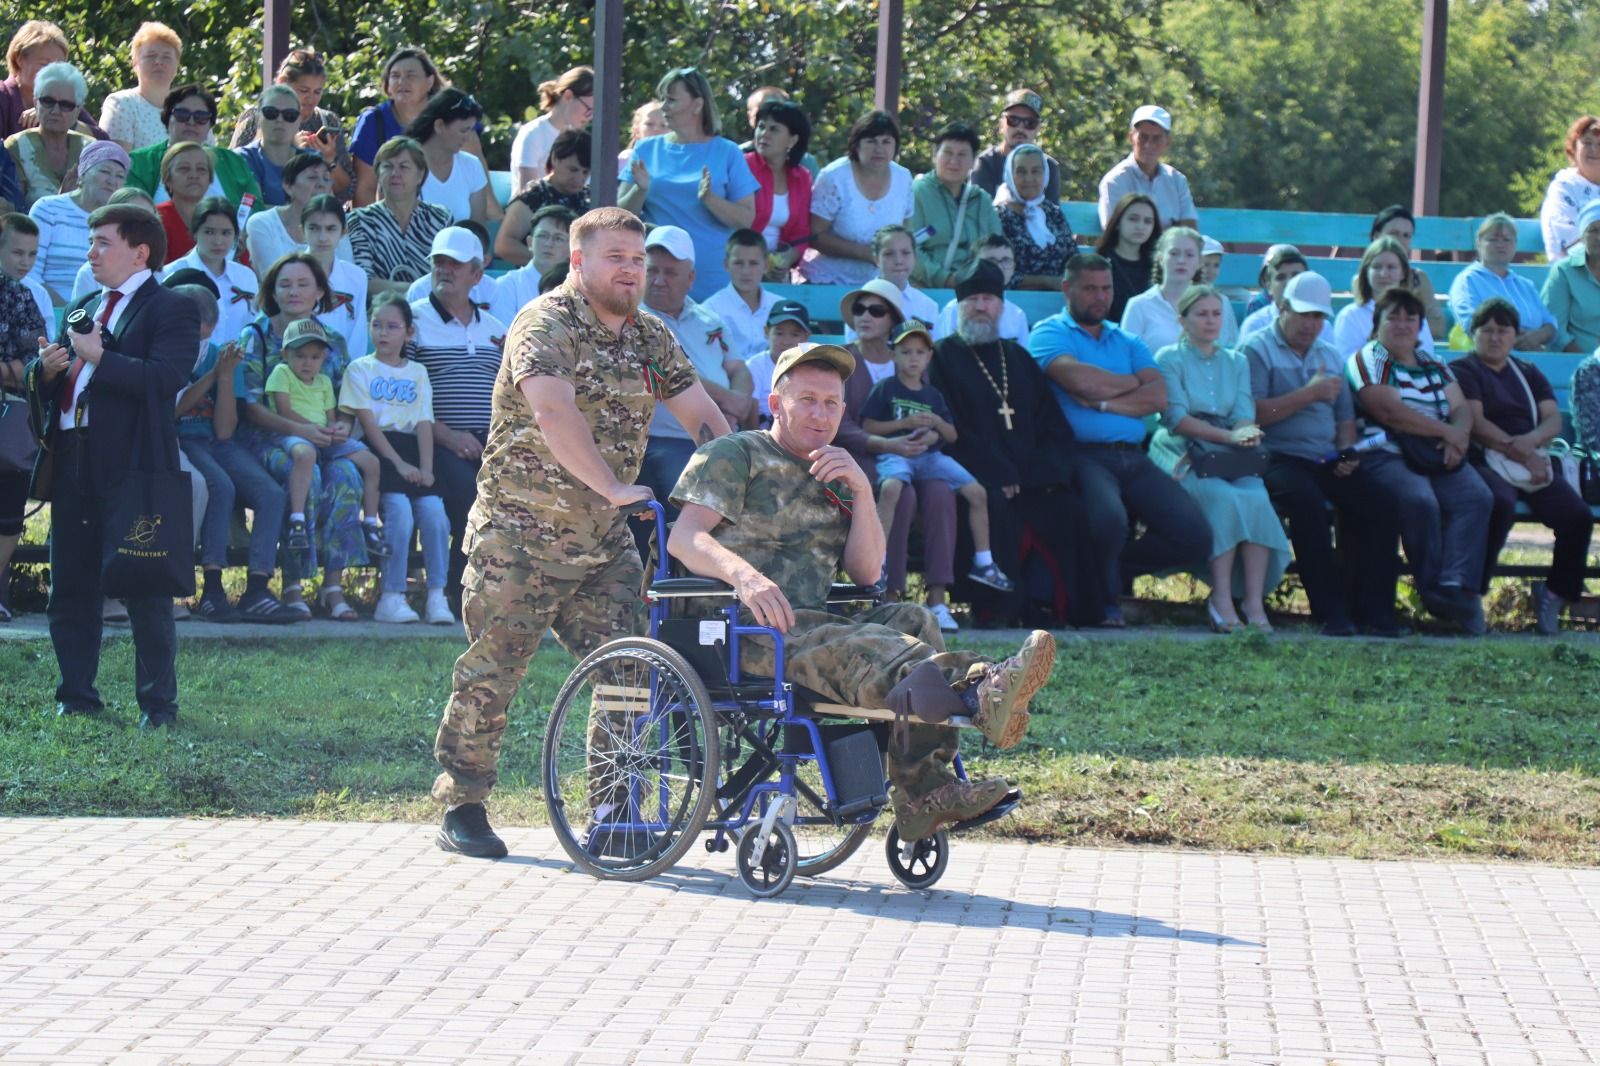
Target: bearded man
(547,544)
(1013,438)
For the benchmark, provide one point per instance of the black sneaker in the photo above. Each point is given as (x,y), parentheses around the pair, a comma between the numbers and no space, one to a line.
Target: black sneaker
(216,608)
(992,576)
(377,547)
(266,608)
(298,538)
(466,832)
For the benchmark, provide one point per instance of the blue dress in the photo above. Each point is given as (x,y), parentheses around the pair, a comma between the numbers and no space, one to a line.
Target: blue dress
(1239,511)
(674,197)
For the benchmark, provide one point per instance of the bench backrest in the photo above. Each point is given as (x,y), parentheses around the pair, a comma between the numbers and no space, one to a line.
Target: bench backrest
(1317,229)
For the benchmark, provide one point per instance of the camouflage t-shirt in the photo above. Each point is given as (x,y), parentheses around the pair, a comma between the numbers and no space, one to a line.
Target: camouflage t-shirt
(777,517)
(617,381)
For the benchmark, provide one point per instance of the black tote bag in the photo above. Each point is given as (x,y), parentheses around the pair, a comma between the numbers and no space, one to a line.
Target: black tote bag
(149,525)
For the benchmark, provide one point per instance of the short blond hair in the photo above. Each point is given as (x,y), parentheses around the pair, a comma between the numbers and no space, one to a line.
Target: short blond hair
(155,32)
(604,218)
(31,35)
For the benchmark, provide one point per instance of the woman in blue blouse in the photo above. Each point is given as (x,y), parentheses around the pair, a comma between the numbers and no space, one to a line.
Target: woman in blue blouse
(692,177)
(1491,276)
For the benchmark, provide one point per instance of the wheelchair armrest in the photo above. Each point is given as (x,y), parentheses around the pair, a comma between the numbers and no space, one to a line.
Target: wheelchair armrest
(671,588)
(841,593)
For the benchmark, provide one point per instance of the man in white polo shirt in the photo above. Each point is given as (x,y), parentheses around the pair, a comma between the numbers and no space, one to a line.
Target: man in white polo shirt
(1150,135)
(460,346)
(669,274)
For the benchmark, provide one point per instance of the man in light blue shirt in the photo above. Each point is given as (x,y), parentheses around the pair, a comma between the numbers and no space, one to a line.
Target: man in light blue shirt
(1106,383)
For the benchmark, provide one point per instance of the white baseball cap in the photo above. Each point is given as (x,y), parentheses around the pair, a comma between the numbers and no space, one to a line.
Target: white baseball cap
(458,243)
(1309,291)
(1210,246)
(674,240)
(1151,113)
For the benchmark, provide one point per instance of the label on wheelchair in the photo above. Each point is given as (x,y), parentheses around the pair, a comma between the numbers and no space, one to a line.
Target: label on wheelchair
(713,631)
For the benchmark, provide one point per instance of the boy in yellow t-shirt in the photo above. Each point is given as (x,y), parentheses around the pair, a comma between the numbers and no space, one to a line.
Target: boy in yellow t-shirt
(300,392)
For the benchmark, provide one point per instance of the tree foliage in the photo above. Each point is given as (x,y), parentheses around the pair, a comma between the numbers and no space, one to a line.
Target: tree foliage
(1305,105)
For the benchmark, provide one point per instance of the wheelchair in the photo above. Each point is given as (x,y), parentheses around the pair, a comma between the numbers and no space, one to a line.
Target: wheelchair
(654,741)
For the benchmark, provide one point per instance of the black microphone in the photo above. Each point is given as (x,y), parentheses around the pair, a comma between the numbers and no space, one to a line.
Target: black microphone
(80,321)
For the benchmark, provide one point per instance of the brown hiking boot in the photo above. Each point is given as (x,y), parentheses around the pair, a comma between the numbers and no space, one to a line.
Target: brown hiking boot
(1001,699)
(945,805)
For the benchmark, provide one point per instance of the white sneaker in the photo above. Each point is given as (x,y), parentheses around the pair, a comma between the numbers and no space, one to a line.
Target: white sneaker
(392,609)
(438,609)
(947,622)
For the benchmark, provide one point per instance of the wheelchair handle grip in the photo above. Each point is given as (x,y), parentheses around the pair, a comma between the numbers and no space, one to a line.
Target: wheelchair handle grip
(659,533)
(634,510)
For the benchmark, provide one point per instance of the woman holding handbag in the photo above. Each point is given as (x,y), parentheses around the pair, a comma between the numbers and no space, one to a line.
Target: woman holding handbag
(20,330)
(1514,419)
(1210,442)
(1413,399)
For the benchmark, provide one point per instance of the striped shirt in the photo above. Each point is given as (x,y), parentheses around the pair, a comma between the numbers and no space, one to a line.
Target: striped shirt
(63,243)
(1421,387)
(462,361)
(386,251)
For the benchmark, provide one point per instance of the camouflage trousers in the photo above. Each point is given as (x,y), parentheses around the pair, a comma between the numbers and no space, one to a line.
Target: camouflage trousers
(511,594)
(893,654)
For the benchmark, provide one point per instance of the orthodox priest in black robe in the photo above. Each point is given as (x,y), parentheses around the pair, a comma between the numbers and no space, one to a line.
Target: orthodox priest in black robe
(1012,437)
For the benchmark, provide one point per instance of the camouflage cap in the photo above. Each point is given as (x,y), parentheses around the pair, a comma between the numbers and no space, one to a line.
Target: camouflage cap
(830,354)
(1025,98)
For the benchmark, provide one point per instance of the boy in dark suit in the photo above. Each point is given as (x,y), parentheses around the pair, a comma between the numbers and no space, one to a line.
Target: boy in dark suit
(87,400)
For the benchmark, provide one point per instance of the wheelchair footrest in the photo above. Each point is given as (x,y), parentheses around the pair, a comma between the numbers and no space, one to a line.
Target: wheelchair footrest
(1008,803)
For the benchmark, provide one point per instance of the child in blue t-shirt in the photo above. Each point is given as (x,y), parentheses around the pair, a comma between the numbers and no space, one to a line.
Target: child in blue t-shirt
(906,406)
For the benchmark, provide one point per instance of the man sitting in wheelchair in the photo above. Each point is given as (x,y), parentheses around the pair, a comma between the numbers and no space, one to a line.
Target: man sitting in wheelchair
(776,513)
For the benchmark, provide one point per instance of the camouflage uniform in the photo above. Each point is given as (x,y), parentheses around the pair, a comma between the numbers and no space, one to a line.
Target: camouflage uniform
(544,550)
(781,521)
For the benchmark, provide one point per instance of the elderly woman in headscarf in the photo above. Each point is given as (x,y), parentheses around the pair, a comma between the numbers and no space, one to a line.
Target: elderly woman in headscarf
(1036,227)
(63,219)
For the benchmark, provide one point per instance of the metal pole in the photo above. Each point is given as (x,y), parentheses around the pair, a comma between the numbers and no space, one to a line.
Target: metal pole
(607,102)
(275,25)
(1430,109)
(891,42)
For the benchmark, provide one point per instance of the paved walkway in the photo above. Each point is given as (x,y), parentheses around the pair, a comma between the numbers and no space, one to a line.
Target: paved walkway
(246,941)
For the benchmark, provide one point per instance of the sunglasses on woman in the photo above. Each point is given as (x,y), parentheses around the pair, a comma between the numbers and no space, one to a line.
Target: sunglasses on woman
(273,114)
(861,307)
(50,103)
(193,118)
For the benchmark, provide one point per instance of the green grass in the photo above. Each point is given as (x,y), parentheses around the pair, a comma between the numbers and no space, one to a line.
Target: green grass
(1415,748)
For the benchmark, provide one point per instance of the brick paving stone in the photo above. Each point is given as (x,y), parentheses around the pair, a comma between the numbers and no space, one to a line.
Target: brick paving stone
(271,941)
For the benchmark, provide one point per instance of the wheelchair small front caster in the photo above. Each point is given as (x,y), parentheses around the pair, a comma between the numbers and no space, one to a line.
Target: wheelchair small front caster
(717,843)
(917,863)
(777,865)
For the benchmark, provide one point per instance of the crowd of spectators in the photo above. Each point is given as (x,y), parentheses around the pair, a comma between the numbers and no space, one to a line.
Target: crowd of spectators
(1143,429)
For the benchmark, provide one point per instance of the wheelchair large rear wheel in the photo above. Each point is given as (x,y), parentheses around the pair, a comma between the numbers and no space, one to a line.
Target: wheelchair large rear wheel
(630,760)
(821,845)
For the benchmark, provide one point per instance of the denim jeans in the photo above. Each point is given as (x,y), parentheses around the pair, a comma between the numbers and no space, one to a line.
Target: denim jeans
(1444,519)
(232,474)
(402,514)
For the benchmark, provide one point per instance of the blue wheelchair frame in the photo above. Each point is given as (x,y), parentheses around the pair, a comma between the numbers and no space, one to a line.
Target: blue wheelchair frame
(775,713)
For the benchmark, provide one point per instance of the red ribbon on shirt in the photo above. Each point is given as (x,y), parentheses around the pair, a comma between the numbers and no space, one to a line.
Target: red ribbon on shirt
(654,380)
(840,498)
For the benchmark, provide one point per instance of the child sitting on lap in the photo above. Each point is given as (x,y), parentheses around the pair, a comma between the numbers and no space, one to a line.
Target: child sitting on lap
(301,392)
(905,405)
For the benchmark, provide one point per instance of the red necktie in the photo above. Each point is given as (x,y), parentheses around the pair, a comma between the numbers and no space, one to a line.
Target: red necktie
(65,402)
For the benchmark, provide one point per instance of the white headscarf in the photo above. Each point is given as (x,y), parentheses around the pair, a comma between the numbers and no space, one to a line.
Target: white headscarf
(1032,211)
